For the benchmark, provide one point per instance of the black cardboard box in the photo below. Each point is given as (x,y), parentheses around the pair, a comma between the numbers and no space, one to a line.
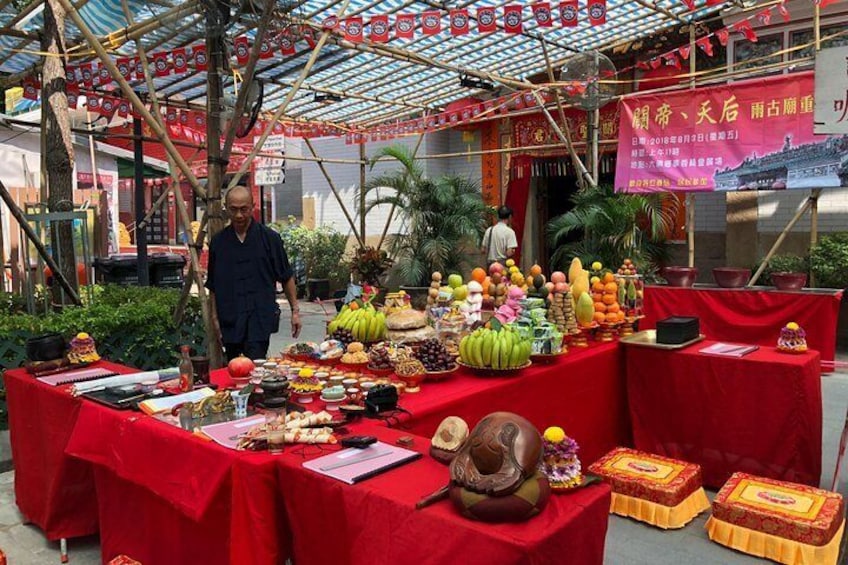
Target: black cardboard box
(677,329)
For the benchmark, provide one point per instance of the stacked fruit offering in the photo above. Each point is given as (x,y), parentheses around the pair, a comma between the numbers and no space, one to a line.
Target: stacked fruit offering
(495,349)
(434,356)
(343,335)
(365,323)
(380,358)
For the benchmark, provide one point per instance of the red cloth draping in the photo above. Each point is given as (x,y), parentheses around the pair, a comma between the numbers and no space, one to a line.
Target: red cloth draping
(760,414)
(375,522)
(584,394)
(749,315)
(51,490)
(517,194)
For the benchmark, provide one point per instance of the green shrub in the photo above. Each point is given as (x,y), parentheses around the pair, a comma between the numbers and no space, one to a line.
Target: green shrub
(829,261)
(131,325)
(788,263)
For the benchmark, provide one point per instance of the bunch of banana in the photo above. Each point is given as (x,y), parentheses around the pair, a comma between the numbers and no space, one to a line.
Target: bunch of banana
(365,323)
(495,349)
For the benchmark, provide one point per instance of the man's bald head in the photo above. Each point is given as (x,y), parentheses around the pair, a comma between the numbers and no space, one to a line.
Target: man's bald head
(240,193)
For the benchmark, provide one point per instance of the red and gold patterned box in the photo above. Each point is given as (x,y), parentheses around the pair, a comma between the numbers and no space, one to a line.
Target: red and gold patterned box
(654,478)
(124,560)
(796,512)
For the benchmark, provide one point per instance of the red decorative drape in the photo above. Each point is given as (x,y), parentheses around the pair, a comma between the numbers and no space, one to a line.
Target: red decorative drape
(517,193)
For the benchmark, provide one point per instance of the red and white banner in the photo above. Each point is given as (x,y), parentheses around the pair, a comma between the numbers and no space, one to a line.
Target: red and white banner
(459,23)
(267,50)
(512,18)
(242,48)
(87,75)
(160,65)
(379,29)
(201,61)
(487,21)
(542,13)
(597,10)
(568,13)
(180,61)
(287,46)
(103,75)
(353,29)
(405,26)
(31,87)
(431,22)
(751,135)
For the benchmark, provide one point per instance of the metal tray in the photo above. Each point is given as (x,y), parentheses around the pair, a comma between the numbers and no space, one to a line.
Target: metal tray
(648,338)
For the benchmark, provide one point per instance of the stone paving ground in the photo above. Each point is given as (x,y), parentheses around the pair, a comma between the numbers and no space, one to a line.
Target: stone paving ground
(628,542)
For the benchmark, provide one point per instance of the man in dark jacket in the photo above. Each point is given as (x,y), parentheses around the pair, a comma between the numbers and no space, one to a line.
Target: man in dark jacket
(246,261)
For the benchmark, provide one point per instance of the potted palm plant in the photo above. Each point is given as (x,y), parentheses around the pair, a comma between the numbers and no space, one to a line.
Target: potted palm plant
(614,226)
(439,218)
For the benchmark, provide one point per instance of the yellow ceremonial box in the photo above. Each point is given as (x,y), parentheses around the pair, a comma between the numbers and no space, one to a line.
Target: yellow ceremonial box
(657,490)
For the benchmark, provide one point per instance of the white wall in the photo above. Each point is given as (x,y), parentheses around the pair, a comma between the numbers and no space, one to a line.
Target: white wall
(777,208)
(346,177)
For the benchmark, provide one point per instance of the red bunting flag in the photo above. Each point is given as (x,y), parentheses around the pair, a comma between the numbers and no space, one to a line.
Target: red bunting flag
(512,18)
(171,115)
(379,29)
(182,117)
(139,68)
(307,34)
(242,49)
(542,13)
(722,34)
(31,86)
(486,20)
(201,62)
(160,64)
(87,75)
(103,75)
(198,120)
(108,106)
(568,11)
(405,26)
(353,29)
(330,23)
(715,2)
(123,64)
(671,60)
(123,108)
(92,103)
(784,12)
(765,16)
(459,21)
(655,62)
(745,28)
(642,65)
(431,22)
(705,45)
(597,12)
(824,3)
(684,51)
(267,50)
(287,46)
(73,97)
(70,75)
(180,60)
(690,4)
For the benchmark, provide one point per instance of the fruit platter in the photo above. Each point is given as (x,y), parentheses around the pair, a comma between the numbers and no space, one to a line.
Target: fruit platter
(302,351)
(437,361)
(379,360)
(490,351)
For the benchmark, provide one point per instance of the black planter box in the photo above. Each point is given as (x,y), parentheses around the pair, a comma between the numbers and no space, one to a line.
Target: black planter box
(677,329)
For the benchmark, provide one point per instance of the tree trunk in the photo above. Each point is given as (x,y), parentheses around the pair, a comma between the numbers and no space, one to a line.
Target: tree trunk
(59,157)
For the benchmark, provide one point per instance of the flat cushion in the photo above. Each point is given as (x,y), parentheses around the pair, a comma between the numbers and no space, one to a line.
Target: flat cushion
(654,478)
(796,512)
(530,499)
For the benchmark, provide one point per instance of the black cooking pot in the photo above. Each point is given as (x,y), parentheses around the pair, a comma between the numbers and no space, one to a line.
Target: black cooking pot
(46,347)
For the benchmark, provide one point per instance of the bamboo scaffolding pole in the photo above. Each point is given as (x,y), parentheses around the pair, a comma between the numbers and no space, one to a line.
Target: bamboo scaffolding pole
(569,145)
(18,214)
(133,98)
(779,241)
(814,195)
(159,201)
(394,205)
(253,58)
(333,188)
(362,235)
(325,34)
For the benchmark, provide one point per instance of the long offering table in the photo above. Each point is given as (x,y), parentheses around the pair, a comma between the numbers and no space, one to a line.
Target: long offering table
(163,495)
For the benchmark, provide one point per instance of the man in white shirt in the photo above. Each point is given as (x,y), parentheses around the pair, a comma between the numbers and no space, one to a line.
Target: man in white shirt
(499,241)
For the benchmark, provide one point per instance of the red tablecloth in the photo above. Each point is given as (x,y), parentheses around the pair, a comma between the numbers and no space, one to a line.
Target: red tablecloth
(52,491)
(584,394)
(750,315)
(375,522)
(761,414)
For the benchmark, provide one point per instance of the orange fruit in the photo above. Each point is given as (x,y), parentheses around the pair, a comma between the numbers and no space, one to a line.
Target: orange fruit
(354,306)
(596,296)
(620,315)
(613,308)
(611,288)
(608,299)
(478,274)
(600,307)
(608,277)
(598,286)
(535,270)
(599,317)
(612,318)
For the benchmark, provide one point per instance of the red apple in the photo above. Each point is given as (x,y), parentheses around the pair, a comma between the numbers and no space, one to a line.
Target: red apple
(240,367)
